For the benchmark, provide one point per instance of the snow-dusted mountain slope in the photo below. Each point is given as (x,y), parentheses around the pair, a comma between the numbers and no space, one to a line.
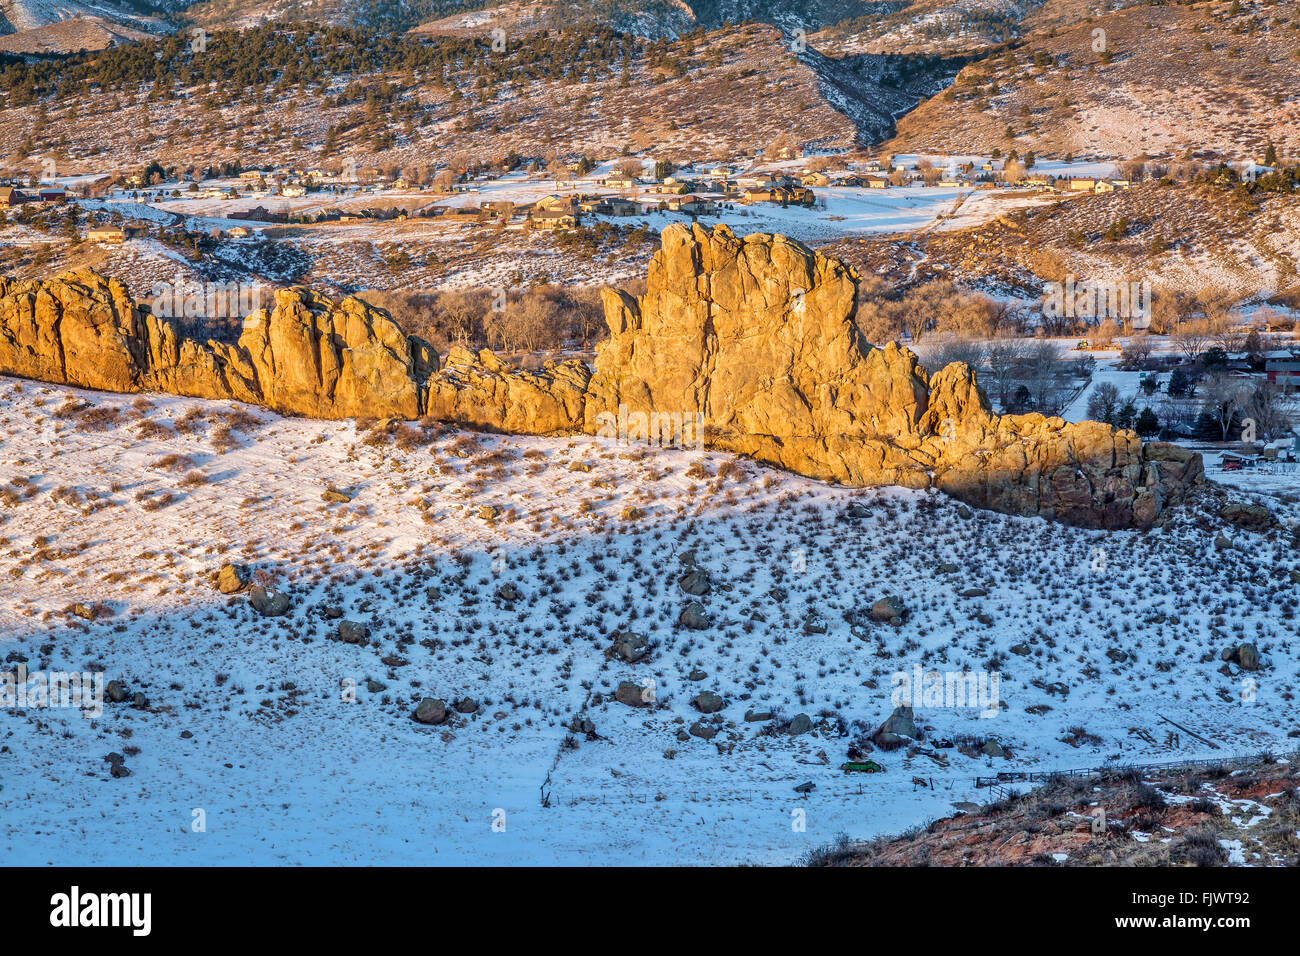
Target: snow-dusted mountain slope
(498,569)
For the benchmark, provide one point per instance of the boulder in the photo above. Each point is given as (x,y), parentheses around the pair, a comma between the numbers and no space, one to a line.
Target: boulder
(898,730)
(353,632)
(268,602)
(430,710)
(1251,517)
(694,617)
(634,695)
(703,730)
(630,647)
(695,582)
(708,702)
(233,578)
(1245,656)
(888,608)
(466,705)
(799,724)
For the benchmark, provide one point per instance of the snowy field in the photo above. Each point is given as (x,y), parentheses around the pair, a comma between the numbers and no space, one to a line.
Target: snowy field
(293,747)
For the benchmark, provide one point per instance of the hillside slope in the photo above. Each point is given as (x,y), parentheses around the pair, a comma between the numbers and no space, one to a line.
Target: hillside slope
(1213,82)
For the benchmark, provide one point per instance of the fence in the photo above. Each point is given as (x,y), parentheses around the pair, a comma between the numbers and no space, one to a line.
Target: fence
(996,783)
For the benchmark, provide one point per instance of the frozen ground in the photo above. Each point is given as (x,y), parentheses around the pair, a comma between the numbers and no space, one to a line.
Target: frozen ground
(250,720)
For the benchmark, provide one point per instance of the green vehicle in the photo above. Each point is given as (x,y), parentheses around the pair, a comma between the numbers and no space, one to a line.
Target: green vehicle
(862,766)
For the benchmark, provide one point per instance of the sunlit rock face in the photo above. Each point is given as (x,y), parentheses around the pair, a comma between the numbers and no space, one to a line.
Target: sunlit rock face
(757,336)
(743,344)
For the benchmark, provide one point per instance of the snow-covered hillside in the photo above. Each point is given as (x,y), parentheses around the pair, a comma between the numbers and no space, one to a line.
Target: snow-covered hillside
(499,569)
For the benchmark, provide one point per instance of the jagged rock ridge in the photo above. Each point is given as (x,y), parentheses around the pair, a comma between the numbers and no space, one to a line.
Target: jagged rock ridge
(758,335)
(753,341)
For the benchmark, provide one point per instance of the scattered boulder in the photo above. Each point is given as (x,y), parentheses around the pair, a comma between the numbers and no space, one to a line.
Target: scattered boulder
(634,695)
(992,748)
(1245,656)
(973,592)
(488,512)
(117,692)
(269,602)
(697,675)
(947,568)
(695,582)
(888,609)
(353,632)
(708,702)
(799,724)
(1251,517)
(430,710)
(509,593)
(630,647)
(333,496)
(898,730)
(704,731)
(756,716)
(1223,543)
(466,705)
(694,617)
(233,578)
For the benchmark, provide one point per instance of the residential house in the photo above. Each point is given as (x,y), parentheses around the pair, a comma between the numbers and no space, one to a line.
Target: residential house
(293,192)
(1283,366)
(877,182)
(618,206)
(553,219)
(566,204)
(693,205)
(756,181)
(816,179)
(106,235)
(1082,185)
(9,196)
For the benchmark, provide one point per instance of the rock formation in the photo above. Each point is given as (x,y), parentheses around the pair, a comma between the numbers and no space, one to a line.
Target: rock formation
(304,356)
(748,345)
(757,336)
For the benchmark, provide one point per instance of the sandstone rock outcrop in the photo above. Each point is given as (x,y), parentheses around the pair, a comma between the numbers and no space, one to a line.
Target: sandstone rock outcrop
(306,355)
(756,336)
(748,345)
